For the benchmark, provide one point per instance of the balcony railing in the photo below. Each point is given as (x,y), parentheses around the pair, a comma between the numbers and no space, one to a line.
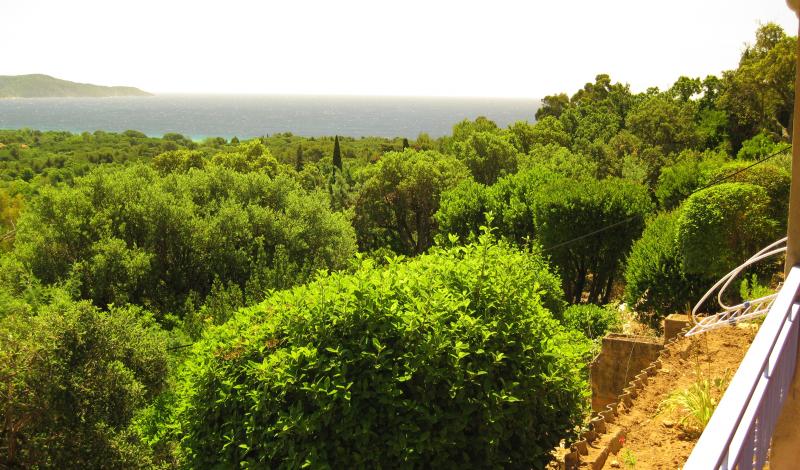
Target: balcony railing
(739,433)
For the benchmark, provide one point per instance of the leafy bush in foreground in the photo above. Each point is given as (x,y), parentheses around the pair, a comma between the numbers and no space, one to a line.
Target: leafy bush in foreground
(445,360)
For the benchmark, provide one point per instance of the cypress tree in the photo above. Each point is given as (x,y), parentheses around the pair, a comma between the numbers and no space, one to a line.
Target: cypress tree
(405,143)
(337,154)
(298,163)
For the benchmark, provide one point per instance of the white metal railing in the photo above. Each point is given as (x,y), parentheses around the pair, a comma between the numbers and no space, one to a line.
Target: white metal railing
(729,314)
(739,433)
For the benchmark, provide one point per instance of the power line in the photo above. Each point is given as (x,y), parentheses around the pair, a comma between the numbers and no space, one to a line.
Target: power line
(625,221)
(741,170)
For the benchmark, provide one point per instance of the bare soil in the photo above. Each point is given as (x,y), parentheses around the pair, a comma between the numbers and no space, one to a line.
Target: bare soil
(654,438)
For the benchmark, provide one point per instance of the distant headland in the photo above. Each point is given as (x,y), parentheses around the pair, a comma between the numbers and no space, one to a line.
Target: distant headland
(45,86)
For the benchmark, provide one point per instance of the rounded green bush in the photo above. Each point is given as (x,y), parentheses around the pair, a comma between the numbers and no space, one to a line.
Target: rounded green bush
(721,226)
(775,180)
(449,359)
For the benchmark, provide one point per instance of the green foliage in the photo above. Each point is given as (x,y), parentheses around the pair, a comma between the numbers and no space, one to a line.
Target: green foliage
(462,209)
(466,128)
(137,236)
(750,289)
(337,154)
(398,200)
(775,180)
(719,227)
(552,105)
(544,132)
(592,320)
(488,156)
(655,283)
(566,209)
(448,359)
(759,95)
(178,161)
(757,148)
(629,459)
(696,404)
(71,379)
(682,253)
(538,205)
(691,171)
(661,121)
(559,160)
(251,156)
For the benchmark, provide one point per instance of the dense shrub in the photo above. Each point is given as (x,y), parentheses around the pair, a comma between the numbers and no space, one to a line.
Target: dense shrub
(446,360)
(592,320)
(558,160)
(71,379)
(135,235)
(758,147)
(721,226)
(655,283)
(682,253)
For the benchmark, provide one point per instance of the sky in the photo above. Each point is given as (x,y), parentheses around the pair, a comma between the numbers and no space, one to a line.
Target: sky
(498,48)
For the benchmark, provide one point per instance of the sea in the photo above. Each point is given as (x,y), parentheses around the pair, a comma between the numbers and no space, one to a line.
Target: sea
(246,116)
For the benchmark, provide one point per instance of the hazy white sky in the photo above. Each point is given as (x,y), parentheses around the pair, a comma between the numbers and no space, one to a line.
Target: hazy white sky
(525,48)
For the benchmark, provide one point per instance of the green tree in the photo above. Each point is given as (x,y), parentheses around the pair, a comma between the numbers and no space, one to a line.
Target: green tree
(656,284)
(248,157)
(337,154)
(685,88)
(178,161)
(759,94)
(398,200)
(552,105)
(134,235)
(464,129)
(488,155)
(568,209)
(664,122)
(691,171)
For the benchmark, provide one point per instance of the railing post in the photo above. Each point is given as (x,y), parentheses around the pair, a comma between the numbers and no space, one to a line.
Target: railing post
(786,439)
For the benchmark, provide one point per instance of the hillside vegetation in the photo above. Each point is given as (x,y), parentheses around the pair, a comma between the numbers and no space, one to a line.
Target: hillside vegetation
(45,86)
(330,302)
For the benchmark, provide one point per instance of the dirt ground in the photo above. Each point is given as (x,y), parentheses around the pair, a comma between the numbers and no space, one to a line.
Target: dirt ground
(655,439)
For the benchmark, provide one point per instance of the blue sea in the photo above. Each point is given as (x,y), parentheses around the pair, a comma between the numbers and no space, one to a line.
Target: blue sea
(200,116)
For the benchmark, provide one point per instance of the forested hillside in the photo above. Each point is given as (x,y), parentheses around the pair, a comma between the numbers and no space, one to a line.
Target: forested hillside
(45,86)
(332,302)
